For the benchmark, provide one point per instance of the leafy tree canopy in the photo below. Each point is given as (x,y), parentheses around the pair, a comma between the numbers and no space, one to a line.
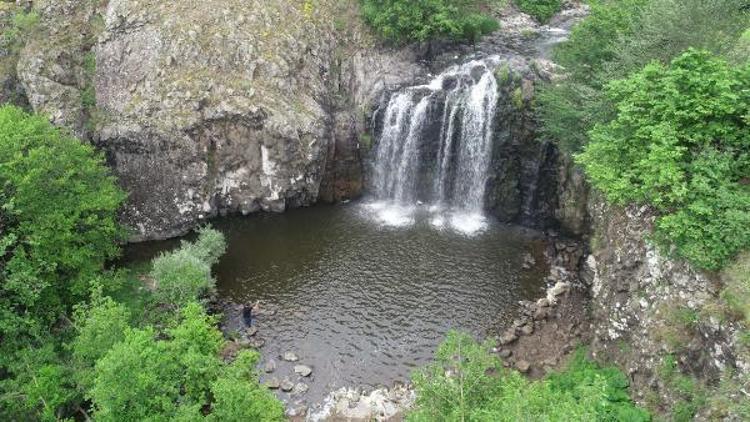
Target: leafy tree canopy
(420,20)
(468,382)
(680,141)
(58,227)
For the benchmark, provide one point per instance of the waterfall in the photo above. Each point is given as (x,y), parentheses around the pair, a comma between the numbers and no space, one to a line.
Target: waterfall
(436,141)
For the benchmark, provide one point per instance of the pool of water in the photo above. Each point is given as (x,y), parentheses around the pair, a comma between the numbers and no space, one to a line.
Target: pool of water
(364,301)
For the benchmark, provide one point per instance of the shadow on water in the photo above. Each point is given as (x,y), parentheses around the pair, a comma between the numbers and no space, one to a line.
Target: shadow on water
(361,303)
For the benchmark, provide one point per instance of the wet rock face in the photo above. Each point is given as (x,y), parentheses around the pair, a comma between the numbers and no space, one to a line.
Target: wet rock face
(522,187)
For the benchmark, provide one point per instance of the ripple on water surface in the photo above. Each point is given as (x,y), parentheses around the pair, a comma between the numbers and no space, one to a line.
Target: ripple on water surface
(363,300)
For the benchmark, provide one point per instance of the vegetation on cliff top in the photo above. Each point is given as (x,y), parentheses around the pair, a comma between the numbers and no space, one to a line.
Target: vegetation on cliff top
(421,20)
(658,125)
(680,141)
(655,105)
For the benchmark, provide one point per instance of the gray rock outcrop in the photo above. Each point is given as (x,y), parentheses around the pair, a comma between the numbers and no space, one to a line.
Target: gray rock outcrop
(215,106)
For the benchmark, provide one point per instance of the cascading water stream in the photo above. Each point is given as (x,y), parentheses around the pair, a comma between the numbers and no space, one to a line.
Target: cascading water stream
(447,167)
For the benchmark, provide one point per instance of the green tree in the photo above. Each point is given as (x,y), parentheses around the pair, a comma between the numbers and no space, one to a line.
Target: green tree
(58,204)
(541,10)
(681,142)
(238,396)
(421,20)
(99,324)
(178,374)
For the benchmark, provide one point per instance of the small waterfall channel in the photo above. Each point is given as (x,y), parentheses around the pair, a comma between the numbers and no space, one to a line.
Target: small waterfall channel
(435,147)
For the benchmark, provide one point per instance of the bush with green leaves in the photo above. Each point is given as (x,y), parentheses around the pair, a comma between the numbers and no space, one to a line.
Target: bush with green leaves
(184,275)
(541,10)
(421,20)
(569,108)
(178,375)
(100,324)
(58,227)
(681,143)
(621,36)
(468,383)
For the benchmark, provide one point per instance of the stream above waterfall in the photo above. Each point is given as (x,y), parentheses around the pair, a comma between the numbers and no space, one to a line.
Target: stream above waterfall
(361,302)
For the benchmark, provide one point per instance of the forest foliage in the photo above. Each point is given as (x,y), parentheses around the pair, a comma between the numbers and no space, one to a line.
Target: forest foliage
(69,349)
(402,21)
(655,103)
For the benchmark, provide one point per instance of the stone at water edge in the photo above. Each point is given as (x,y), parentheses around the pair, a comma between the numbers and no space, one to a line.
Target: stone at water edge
(252,330)
(527,329)
(273,383)
(523,366)
(508,337)
(505,353)
(270,366)
(303,370)
(291,357)
(298,410)
(287,385)
(300,388)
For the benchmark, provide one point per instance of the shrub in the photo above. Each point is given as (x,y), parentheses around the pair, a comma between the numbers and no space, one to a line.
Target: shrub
(172,376)
(420,20)
(238,396)
(664,29)
(680,142)
(568,109)
(100,325)
(185,274)
(467,382)
(622,36)
(20,25)
(541,10)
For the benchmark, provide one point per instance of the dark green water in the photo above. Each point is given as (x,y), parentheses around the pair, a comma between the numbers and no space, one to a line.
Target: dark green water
(363,304)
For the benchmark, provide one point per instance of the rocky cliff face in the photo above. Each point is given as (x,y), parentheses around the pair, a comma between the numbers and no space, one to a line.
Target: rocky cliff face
(211,107)
(659,319)
(222,106)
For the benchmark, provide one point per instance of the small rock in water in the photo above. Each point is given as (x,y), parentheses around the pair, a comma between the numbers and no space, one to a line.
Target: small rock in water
(521,365)
(270,366)
(300,388)
(287,385)
(273,383)
(527,329)
(252,330)
(303,370)
(291,357)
